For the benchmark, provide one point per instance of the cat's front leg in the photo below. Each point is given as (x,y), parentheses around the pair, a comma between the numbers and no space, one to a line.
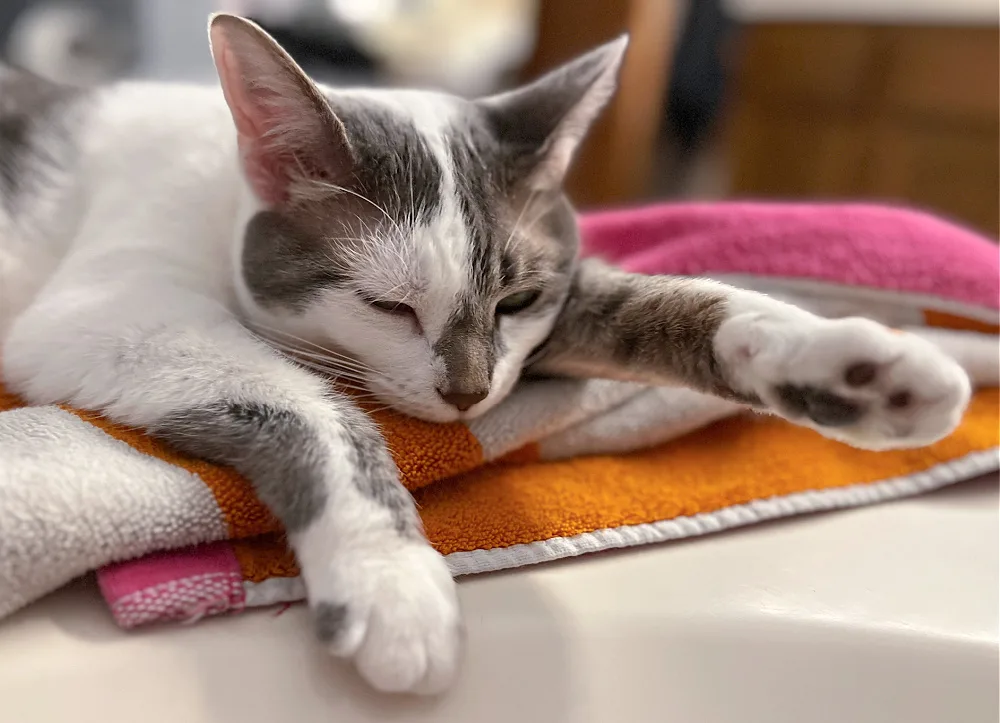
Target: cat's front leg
(191,374)
(378,592)
(851,379)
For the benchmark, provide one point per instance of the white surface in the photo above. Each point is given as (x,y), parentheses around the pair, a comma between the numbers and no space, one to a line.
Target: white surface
(887,613)
(944,12)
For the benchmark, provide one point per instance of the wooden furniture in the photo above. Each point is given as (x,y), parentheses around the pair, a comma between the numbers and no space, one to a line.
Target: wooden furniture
(615,162)
(901,114)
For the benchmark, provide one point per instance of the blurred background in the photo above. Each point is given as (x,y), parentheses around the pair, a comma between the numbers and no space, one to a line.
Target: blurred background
(888,100)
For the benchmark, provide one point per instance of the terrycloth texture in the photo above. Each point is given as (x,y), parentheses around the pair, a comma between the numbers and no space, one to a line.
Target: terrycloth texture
(77,493)
(858,245)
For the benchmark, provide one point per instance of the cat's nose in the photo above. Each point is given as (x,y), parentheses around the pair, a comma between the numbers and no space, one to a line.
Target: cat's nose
(463,400)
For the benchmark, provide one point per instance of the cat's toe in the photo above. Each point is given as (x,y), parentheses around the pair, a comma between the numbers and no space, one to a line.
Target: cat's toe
(402,624)
(821,406)
(859,382)
(341,627)
(915,399)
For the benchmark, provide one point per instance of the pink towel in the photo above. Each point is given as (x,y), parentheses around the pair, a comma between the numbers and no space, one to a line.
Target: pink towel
(854,245)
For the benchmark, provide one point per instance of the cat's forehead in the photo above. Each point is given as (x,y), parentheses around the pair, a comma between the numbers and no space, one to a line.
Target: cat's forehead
(430,166)
(397,139)
(417,150)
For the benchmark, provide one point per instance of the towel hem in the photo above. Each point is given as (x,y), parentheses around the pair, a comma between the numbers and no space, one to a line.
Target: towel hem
(914,299)
(856,495)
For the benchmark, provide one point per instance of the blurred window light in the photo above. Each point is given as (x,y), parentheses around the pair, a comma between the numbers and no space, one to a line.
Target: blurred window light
(358,12)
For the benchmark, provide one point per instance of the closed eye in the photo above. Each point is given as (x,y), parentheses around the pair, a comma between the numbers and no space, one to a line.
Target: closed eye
(397,308)
(516,303)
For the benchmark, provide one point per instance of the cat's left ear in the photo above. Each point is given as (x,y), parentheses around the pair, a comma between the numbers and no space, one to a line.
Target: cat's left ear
(286,130)
(540,125)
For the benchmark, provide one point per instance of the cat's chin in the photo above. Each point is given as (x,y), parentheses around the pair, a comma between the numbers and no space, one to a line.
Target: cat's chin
(437,413)
(444,415)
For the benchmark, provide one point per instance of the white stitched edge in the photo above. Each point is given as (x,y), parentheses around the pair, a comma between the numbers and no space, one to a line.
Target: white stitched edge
(273,591)
(972,465)
(277,590)
(829,289)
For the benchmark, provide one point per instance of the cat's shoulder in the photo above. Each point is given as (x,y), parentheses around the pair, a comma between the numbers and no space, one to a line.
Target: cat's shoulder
(35,110)
(25,97)
(160,104)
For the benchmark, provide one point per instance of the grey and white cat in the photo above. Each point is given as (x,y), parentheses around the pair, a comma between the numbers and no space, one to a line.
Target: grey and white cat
(161,246)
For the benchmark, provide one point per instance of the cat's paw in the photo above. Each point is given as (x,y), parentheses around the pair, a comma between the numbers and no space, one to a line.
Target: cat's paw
(851,379)
(395,612)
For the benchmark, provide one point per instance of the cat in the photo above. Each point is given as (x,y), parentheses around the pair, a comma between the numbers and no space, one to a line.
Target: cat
(185,260)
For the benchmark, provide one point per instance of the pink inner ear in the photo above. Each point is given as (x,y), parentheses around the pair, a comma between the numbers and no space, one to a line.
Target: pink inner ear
(264,173)
(254,118)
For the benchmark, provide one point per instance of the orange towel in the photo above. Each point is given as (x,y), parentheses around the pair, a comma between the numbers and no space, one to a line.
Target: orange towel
(484,504)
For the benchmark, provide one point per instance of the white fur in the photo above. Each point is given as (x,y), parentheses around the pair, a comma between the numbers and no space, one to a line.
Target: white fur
(121,292)
(132,309)
(127,300)
(765,343)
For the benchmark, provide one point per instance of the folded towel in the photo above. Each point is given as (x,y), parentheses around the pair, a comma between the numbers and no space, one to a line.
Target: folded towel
(560,468)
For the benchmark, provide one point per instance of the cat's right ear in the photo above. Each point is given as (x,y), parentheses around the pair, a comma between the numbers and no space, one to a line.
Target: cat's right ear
(542,124)
(287,132)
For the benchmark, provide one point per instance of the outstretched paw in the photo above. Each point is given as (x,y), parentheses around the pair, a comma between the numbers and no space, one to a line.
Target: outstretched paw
(851,379)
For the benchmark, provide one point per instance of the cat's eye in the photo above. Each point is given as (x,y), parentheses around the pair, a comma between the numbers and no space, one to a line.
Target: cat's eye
(516,303)
(392,307)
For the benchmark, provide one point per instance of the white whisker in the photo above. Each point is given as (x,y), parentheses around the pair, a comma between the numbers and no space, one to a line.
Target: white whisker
(264,329)
(343,189)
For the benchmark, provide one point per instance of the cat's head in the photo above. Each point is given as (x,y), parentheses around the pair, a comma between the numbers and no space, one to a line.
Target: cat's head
(414,242)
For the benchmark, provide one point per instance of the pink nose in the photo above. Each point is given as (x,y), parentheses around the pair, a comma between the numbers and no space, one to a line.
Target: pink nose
(463,400)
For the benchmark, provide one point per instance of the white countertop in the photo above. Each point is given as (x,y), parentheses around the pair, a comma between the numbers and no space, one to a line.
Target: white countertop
(902,12)
(886,613)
